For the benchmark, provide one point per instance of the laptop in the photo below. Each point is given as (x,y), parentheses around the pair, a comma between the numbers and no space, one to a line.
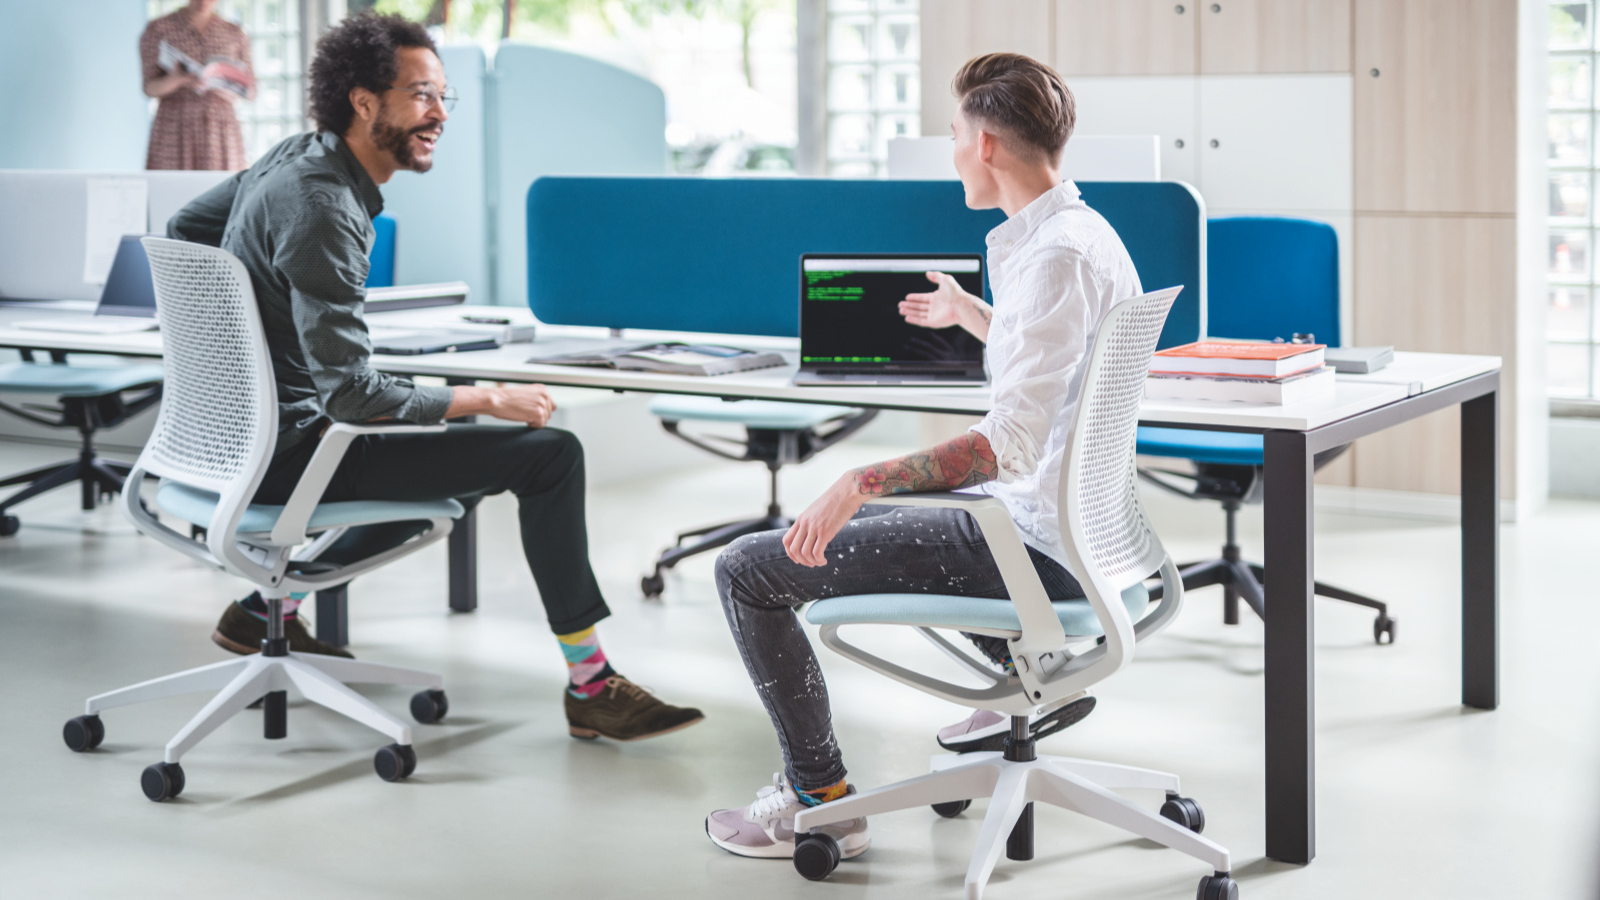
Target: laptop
(851,330)
(127,302)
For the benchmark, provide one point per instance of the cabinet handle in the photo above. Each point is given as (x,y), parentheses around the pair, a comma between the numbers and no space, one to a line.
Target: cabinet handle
(1179,9)
(1374,73)
(1178,143)
(1216,7)
(1214,143)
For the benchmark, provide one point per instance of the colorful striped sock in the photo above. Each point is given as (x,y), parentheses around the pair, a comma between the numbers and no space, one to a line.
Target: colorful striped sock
(256,606)
(587,669)
(822,795)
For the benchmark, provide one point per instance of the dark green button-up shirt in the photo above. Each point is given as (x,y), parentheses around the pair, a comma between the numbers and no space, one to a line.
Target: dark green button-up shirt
(300,220)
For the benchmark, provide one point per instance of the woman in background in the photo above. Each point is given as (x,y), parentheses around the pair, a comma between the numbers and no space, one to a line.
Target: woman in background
(195,126)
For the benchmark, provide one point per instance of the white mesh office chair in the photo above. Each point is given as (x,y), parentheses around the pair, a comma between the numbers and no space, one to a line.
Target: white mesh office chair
(211,446)
(1112,550)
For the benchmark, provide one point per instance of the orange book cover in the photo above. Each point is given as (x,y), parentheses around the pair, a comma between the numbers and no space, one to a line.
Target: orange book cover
(1238,350)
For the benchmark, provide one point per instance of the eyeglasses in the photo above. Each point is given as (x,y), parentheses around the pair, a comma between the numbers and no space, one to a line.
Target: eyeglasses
(427,97)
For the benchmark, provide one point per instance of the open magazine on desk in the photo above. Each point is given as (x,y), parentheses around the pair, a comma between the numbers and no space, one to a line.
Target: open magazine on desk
(672,357)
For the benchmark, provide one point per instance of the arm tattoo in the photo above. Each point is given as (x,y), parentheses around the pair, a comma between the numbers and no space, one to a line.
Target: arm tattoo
(957,463)
(985,311)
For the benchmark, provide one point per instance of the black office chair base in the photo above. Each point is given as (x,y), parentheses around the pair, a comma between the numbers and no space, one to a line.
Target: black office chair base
(1242,580)
(711,538)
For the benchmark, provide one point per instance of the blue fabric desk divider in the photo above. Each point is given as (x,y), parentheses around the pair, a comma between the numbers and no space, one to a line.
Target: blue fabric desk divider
(381,274)
(723,255)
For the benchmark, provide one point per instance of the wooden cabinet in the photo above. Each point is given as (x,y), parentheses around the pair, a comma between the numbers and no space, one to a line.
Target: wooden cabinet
(1435,106)
(1444,284)
(954,31)
(1125,37)
(1240,37)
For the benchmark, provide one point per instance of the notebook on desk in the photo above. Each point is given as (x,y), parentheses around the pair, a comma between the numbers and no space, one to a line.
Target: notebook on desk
(127,302)
(852,333)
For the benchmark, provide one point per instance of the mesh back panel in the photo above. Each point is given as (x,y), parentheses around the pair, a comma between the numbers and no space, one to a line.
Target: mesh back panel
(1117,539)
(215,381)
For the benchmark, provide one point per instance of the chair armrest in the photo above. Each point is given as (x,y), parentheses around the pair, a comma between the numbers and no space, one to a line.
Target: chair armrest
(1041,630)
(291,526)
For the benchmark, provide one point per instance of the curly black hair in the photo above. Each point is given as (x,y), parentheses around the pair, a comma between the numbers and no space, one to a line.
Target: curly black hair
(359,52)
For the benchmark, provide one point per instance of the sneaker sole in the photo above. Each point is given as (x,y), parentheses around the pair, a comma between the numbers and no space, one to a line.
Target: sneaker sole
(850,848)
(1065,717)
(590,734)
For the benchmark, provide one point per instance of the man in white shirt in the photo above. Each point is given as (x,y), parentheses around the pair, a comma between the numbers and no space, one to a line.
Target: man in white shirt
(1056,267)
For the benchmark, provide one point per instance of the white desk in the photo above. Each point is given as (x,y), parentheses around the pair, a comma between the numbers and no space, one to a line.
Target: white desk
(1413,385)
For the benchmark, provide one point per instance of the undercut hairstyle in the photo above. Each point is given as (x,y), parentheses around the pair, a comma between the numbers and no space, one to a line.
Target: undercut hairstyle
(1021,100)
(359,52)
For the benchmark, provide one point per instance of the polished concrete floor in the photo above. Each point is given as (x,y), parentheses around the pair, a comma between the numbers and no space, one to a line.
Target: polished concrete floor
(1417,798)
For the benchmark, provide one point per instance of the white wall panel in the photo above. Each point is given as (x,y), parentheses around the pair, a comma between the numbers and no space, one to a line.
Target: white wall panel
(1162,106)
(1276,142)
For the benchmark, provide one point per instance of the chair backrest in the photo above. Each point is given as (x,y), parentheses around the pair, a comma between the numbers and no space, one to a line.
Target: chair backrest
(1107,535)
(1272,277)
(219,410)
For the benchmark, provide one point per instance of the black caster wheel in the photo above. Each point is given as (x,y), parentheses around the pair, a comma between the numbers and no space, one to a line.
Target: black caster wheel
(395,762)
(9,525)
(162,781)
(83,733)
(428,707)
(652,585)
(952,809)
(1384,625)
(816,856)
(1185,812)
(1217,887)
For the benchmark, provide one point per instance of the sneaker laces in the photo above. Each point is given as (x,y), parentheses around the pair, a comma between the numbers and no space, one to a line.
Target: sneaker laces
(633,691)
(770,799)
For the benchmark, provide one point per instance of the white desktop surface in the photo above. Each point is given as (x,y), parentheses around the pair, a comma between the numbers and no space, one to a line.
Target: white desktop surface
(1409,374)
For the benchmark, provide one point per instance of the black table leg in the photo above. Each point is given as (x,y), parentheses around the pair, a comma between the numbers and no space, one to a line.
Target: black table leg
(1290,662)
(1480,551)
(463,543)
(333,615)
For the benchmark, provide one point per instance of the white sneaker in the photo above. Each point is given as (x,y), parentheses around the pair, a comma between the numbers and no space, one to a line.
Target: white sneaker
(985,730)
(765,828)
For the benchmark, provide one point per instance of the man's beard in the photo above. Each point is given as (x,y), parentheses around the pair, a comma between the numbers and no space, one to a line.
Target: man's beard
(398,142)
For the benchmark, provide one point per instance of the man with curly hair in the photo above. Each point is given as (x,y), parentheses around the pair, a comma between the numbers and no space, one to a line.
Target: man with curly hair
(300,220)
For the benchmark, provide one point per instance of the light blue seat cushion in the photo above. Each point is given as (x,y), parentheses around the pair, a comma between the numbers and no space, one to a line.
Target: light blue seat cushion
(749,413)
(1225,447)
(943,611)
(197,506)
(64,380)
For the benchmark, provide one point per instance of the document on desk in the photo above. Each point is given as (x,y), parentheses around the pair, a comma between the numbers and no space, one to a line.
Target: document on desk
(117,206)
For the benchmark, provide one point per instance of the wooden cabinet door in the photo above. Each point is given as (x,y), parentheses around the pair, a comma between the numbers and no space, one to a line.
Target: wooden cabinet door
(1240,37)
(1435,106)
(1125,37)
(1275,142)
(954,31)
(1162,106)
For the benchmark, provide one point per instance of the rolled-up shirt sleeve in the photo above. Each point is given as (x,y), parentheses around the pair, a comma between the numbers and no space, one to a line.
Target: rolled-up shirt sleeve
(1046,337)
(326,268)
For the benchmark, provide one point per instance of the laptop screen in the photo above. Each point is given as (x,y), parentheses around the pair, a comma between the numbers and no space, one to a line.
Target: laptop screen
(850,311)
(128,290)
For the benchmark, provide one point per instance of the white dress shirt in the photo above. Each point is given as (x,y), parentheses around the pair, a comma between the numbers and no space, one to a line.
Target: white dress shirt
(1055,268)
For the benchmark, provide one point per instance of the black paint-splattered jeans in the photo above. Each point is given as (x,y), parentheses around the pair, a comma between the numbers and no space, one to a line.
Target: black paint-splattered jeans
(901,550)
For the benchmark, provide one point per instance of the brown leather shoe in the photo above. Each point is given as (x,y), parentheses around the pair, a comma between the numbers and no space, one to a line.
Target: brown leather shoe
(238,631)
(624,711)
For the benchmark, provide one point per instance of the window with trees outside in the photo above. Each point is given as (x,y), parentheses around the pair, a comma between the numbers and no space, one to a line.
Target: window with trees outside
(1572,327)
(273,27)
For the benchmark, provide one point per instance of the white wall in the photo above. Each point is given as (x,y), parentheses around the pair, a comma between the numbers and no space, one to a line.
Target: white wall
(72,97)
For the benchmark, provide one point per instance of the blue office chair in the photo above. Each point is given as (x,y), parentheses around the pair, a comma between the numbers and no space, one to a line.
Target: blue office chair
(1266,278)
(776,434)
(381,273)
(87,398)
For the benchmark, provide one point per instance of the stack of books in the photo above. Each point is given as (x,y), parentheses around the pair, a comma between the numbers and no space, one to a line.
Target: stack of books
(1241,372)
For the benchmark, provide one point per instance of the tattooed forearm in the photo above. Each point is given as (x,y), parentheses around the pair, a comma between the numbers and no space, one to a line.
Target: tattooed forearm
(956,463)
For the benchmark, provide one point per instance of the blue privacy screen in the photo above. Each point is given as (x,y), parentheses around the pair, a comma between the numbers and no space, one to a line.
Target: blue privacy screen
(723,255)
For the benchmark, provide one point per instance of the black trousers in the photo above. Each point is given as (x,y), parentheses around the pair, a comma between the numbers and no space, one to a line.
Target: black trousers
(543,467)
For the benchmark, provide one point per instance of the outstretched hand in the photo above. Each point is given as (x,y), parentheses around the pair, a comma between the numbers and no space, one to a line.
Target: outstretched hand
(938,308)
